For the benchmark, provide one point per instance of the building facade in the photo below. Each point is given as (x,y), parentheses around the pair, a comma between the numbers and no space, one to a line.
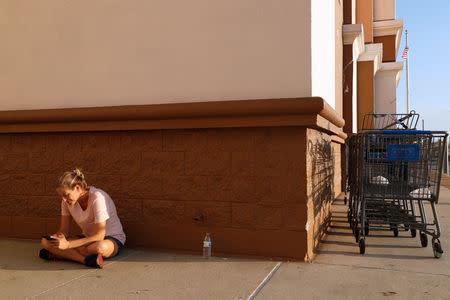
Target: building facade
(371,74)
(203,116)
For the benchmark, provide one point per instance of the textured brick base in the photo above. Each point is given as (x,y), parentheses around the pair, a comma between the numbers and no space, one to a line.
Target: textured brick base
(323,167)
(253,189)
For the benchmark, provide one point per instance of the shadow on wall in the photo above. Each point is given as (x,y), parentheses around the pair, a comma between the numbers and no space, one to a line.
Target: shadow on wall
(322,186)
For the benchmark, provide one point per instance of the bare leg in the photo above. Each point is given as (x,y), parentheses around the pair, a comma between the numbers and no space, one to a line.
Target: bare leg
(106,248)
(70,254)
(83,251)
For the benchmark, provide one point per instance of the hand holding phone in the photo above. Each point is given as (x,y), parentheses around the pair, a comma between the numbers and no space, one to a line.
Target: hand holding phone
(48,238)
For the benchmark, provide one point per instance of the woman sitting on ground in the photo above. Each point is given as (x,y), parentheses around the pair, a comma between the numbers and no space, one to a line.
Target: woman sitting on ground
(95,213)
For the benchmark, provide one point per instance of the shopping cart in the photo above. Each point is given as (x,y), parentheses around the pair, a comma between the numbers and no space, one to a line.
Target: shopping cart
(394,171)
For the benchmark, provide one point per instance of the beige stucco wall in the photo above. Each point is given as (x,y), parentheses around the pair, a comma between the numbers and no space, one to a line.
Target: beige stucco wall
(323,50)
(383,10)
(58,54)
(385,93)
(386,82)
(338,20)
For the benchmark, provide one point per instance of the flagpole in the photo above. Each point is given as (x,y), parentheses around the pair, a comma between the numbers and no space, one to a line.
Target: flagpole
(407,76)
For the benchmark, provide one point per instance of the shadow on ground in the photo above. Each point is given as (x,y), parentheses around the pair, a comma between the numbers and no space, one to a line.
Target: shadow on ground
(23,255)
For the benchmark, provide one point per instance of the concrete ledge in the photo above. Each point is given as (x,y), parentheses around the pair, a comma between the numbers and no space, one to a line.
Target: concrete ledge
(392,67)
(373,52)
(389,27)
(352,33)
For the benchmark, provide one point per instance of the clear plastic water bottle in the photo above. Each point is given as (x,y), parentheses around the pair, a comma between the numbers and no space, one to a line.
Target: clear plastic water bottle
(207,246)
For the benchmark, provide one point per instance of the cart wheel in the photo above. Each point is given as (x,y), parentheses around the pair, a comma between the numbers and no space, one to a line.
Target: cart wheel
(357,234)
(437,250)
(423,239)
(413,233)
(345,200)
(362,246)
(396,232)
(366,229)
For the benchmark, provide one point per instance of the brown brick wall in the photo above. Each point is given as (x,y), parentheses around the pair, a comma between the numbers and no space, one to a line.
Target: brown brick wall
(323,182)
(247,183)
(337,154)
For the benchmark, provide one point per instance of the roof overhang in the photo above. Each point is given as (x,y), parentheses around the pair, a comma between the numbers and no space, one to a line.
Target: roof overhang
(389,27)
(373,52)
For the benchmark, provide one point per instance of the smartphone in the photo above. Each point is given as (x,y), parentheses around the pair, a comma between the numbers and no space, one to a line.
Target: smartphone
(48,238)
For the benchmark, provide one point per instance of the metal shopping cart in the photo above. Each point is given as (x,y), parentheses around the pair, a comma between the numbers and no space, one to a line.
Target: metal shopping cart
(393,172)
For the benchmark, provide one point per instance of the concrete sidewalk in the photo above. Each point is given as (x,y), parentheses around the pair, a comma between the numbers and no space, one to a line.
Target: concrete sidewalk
(392,267)
(134,274)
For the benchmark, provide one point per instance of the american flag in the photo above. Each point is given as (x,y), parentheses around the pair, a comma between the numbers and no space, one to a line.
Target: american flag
(405,53)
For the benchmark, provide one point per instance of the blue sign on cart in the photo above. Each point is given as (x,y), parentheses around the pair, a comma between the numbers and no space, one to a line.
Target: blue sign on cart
(407,152)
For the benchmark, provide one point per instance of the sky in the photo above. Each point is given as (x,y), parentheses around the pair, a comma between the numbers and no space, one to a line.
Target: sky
(428,25)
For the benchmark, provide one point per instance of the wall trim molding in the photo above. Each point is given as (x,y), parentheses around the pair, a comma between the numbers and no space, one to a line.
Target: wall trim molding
(311,112)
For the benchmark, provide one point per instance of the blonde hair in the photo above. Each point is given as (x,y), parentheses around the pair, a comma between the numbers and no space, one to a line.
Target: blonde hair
(72,178)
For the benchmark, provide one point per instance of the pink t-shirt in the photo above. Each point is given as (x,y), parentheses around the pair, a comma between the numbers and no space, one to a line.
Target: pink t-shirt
(100,208)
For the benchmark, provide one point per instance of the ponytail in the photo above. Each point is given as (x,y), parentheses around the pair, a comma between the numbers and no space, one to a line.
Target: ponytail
(72,178)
